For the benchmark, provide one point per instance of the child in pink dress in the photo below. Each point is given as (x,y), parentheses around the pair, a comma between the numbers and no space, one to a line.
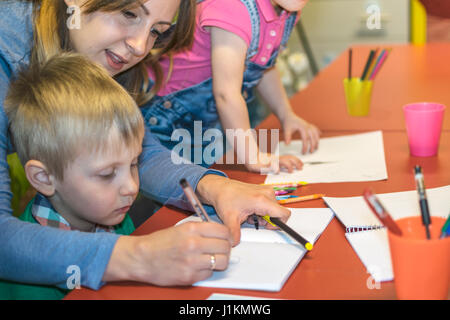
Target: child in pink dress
(235,47)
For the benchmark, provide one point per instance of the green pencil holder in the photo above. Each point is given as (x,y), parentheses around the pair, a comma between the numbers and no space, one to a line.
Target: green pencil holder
(358,95)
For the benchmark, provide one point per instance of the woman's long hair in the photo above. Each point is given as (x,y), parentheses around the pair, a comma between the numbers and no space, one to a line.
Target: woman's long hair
(51,36)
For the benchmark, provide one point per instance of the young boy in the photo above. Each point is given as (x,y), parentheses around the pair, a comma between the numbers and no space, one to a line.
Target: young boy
(78,134)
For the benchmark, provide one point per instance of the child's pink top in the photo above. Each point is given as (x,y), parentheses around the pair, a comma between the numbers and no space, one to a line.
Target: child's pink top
(193,66)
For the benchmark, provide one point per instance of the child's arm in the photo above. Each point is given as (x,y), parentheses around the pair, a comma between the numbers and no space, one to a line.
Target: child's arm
(272,91)
(228,64)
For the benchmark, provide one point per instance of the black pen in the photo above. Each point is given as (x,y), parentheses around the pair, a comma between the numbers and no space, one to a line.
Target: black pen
(255,220)
(196,204)
(283,226)
(418,176)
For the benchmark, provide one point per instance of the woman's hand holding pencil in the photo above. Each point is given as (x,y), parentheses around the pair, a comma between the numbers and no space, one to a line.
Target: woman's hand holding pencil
(235,202)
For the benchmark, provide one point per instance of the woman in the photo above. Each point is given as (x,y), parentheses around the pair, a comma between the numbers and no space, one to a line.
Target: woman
(118,35)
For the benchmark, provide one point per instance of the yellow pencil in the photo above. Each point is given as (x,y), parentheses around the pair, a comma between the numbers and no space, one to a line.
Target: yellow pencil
(303,198)
(298,183)
(372,65)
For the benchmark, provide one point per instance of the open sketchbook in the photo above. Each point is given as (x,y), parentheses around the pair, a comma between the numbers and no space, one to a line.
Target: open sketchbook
(372,245)
(264,259)
(356,157)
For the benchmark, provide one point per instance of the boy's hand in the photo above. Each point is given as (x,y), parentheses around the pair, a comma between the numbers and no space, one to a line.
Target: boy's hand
(309,133)
(181,255)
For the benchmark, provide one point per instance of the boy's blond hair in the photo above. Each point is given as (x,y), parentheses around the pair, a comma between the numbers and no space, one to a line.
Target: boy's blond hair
(67,105)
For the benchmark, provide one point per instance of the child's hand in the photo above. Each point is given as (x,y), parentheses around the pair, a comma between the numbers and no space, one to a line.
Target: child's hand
(309,133)
(290,163)
(270,163)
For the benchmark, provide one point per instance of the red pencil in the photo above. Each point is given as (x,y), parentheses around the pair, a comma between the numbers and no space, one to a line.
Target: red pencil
(381,213)
(376,69)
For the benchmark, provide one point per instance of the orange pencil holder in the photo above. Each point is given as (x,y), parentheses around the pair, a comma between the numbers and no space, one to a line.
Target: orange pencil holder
(358,95)
(421,266)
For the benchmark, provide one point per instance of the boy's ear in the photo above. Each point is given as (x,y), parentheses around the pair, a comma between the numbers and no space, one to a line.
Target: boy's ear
(39,177)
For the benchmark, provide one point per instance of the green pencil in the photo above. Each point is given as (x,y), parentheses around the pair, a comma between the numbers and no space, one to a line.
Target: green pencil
(445,229)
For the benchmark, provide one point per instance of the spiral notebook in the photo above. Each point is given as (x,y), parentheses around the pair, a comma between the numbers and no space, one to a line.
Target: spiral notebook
(368,237)
(264,259)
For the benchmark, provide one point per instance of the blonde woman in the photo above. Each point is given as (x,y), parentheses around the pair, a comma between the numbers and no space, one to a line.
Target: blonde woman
(119,36)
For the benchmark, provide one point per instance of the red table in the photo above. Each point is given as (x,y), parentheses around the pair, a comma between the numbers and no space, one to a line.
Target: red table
(410,74)
(333,270)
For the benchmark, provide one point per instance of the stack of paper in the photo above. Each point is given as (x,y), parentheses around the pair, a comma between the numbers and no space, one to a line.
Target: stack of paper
(357,157)
(264,259)
(372,246)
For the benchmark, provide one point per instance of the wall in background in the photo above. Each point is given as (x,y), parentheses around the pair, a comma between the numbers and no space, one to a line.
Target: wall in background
(331,26)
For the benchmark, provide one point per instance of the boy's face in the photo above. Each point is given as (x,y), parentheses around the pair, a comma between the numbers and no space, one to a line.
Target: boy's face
(291,5)
(99,188)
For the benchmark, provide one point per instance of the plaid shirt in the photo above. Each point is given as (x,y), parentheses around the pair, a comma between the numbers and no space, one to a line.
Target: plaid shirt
(42,210)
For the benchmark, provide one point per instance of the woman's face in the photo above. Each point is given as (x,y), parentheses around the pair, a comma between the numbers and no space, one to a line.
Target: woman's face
(119,40)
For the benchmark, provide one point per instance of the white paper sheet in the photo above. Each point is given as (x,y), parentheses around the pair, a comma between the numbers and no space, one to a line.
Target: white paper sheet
(357,157)
(264,259)
(372,246)
(354,212)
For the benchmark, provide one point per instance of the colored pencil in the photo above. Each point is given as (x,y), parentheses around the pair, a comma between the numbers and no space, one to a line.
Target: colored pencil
(280,184)
(350,53)
(379,64)
(369,61)
(281,192)
(382,53)
(445,231)
(303,198)
(373,64)
(284,188)
(283,197)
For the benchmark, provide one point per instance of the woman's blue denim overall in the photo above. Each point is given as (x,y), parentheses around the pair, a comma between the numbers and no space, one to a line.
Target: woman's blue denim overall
(195,108)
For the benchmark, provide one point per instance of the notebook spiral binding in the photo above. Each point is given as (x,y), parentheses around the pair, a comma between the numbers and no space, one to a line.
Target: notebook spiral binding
(363,228)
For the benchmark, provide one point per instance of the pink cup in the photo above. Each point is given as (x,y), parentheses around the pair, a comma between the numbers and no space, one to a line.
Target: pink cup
(423,125)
